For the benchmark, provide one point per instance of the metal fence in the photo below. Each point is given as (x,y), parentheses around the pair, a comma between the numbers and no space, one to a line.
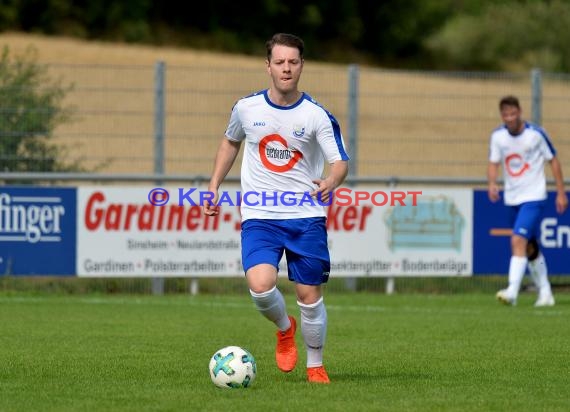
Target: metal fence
(144,121)
(169,119)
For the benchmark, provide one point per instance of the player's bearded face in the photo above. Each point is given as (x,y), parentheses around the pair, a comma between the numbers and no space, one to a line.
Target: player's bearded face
(285,68)
(511,116)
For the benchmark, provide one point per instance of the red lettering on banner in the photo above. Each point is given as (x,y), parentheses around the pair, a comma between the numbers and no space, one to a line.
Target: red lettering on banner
(347,218)
(175,213)
(332,215)
(213,221)
(350,214)
(131,212)
(160,218)
(366,211)
(146,217)
(93,217)
(113,217)
(193,217)
(99,214)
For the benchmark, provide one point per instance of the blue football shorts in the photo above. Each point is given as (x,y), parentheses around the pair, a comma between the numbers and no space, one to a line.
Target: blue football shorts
(304,242)
(526,217)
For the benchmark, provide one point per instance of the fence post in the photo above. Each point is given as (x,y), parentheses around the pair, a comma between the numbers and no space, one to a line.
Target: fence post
(352,121)
(352,132)
(390,285)
(536,103)
(159,74)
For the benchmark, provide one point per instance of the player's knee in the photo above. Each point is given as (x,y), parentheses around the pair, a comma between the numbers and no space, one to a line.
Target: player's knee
(518,245)
(308,294)
(532,249)
(261,278)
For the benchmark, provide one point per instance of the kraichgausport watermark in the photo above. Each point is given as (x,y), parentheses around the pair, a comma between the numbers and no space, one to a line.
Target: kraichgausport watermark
(159,196)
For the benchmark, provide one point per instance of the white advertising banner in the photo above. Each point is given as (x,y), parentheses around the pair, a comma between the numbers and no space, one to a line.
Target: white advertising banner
(402,232)
(122,233)
(140,231)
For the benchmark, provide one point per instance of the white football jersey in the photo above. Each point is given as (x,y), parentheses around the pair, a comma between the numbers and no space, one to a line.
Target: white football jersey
(522,157)
(285,149)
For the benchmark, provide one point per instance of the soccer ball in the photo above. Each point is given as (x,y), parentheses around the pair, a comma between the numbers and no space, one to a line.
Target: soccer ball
(232,367)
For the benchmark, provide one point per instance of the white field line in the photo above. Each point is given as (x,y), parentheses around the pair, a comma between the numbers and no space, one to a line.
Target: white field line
(238,305)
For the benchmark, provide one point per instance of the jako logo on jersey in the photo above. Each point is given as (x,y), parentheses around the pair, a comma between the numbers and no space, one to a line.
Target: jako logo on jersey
(298,131)
(515,166)
(267,153)
(258,124)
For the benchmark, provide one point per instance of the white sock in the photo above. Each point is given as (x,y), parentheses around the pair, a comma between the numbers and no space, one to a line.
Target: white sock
(314,330)
(272,305)
(539,273)
(517,269)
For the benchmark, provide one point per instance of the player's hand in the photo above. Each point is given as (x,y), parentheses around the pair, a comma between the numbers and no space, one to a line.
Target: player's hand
(210,207)
(561,202)
(324,191)
(493,192)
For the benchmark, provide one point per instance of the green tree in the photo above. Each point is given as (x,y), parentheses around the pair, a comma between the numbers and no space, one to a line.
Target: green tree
(31,107)
(8,13)
(507,36)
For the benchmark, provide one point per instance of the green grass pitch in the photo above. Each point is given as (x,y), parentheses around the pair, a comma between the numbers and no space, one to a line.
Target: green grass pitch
(461,352)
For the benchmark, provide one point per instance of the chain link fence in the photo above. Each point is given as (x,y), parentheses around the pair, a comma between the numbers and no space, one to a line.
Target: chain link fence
(140,119)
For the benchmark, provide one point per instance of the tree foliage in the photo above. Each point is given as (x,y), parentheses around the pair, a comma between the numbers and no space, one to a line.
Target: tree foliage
(333,29)
(507,36)
(428,34)
(31,107)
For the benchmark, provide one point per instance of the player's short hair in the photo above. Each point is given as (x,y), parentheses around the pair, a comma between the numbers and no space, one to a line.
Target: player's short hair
(285,39)
(509,100)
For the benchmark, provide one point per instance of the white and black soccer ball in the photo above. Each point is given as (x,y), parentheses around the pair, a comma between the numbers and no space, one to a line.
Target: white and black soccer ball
(232,367)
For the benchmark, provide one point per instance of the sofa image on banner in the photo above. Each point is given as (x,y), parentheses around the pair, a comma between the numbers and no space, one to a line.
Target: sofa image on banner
(435,222)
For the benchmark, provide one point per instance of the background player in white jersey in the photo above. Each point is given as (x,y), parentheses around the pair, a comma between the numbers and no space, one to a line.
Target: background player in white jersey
(523,148)
(287,136)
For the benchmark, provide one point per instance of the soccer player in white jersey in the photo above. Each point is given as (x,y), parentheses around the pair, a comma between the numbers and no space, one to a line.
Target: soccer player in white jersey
(287,136)
(523,148)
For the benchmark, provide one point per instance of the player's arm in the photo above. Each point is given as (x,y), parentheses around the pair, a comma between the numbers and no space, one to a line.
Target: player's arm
(493,187)
(561,197)
(337,173)
(225,158)
(331,142)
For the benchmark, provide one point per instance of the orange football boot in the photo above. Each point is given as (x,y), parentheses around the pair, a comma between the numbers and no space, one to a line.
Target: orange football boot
(286,350)
(318,374)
